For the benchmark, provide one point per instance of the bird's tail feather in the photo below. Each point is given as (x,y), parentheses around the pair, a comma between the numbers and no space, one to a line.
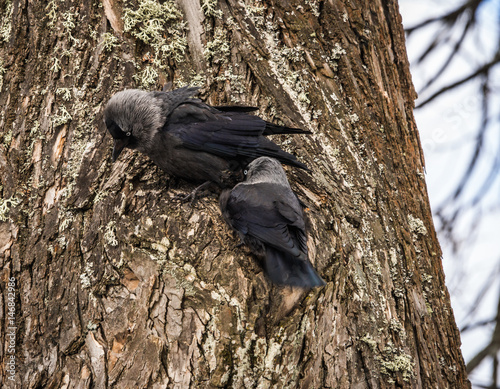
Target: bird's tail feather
(290,161)
(236,108)
(283,157)
(284,269)
(272,129)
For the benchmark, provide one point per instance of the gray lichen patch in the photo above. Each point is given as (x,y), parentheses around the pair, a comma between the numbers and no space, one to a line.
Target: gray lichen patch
(65,220)
(416,225)
(85,277)
(333,60)
(7,138)
(209,8)
(51,10)
(6,205)
(315,6)
(68,22)
(2,72)
(160,26)
(109,41)
(337,51)
(234,80)
(218,50)
(65,93)
(5,22)
(372,343)
(55,65)
(394,360)
(398,328)
(62,117)
(283,60)
(146,77)
(110,234)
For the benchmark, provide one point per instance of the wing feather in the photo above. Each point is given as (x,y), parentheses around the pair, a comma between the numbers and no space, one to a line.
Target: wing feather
(275,223)
(226,134)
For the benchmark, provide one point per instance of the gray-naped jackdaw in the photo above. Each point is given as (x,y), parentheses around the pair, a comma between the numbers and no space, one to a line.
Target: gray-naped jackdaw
(190,139)
(269,219)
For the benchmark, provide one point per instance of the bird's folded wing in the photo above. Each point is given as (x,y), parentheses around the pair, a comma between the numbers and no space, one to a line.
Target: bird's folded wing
(227,134)
(275,223)
(171,100)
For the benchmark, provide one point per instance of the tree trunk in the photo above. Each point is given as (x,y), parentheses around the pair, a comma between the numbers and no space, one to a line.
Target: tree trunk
(108,281)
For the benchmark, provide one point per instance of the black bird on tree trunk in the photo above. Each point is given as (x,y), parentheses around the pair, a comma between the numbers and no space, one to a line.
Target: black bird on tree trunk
(190,139)
(269,219)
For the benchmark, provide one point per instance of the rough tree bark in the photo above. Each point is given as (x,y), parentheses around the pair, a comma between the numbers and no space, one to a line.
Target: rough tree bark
(119,285)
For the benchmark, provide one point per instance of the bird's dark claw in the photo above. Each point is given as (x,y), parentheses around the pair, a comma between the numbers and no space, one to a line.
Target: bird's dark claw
(184,198)
(192,196)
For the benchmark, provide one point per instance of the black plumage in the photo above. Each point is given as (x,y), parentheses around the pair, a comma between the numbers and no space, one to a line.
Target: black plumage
(269,219)
(190,139)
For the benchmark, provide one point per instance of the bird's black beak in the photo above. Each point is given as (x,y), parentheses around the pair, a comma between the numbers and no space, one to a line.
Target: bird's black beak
(118,146)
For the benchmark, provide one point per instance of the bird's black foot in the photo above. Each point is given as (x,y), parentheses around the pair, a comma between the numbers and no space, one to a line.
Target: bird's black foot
(192,196)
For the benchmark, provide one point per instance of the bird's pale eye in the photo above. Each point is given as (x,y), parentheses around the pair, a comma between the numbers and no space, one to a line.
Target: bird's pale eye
(245,172)
(128,133)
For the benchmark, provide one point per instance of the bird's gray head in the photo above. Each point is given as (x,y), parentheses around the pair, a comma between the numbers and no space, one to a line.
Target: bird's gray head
(133,117)
(265,169)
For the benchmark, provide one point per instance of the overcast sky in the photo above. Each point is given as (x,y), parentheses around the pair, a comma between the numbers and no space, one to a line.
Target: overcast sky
(447,128)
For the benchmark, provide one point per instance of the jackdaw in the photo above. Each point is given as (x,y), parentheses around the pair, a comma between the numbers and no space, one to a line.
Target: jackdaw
(190,139)
(269,219)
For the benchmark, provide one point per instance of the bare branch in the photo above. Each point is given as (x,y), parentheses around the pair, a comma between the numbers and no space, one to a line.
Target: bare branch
(482,70)
(481,323)
(454,51)
(449,18)
(491,349)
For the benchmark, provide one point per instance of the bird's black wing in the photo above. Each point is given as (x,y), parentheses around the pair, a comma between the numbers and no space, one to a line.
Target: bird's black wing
(231,134)
(172,99)
(284,269)
(270,128)
(272,215)
(235,108)
(265,212)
